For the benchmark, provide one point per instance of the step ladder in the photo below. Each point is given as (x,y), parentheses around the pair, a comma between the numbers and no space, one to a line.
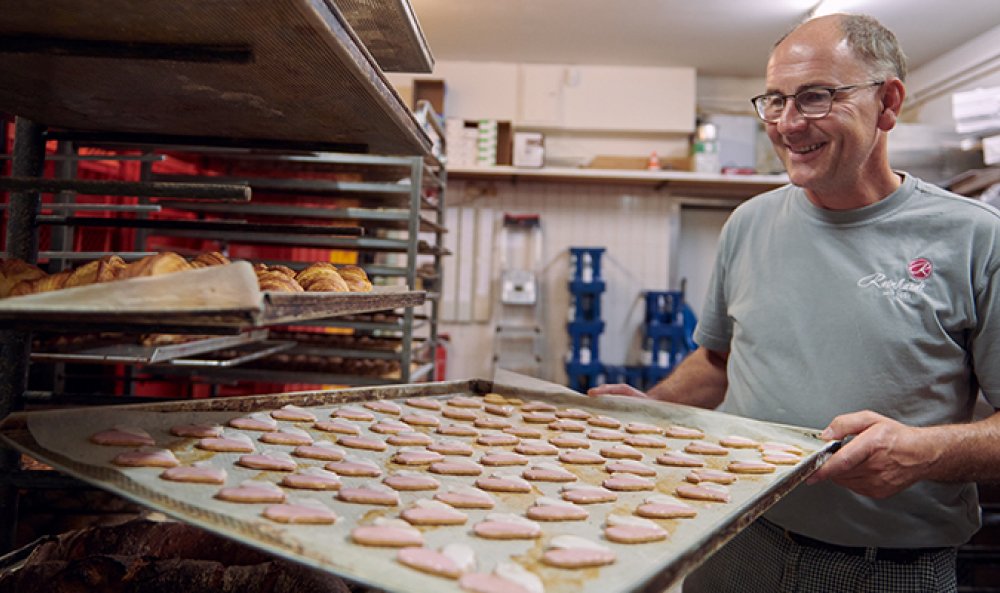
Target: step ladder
(518,338)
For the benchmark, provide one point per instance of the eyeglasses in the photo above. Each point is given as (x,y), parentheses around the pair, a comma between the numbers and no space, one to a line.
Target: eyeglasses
(813,102)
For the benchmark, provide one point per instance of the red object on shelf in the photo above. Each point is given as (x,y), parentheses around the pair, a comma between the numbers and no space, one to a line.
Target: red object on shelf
(441,358)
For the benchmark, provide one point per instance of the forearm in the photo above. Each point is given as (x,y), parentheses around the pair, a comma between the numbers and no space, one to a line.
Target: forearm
(965,452)
(700,380)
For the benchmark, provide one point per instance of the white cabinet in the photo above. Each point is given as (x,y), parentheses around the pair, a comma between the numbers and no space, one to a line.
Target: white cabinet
(540,94)
(630,99)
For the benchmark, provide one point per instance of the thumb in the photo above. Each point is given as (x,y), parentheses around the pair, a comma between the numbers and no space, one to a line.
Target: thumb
(850,424)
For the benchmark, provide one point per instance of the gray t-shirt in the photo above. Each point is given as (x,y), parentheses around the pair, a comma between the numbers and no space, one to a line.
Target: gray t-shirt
(894,308)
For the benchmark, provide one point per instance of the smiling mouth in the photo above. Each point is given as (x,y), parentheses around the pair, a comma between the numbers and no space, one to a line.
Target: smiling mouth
(805,149)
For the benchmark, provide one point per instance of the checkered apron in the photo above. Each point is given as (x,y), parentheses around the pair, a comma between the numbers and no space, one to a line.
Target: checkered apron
(762,559)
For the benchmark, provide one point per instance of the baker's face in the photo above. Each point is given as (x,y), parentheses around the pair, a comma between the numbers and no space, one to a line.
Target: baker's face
(829,154)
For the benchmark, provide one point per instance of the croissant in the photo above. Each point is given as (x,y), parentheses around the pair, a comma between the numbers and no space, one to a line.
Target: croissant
(210,258)
(112,265)
(13,271)
(85,274)
(155,265)
(259,268)
(356,278)
(46,284)
(320,271)
(283,270)
(277,282)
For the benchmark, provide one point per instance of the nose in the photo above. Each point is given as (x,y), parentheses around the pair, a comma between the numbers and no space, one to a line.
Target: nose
(791,119)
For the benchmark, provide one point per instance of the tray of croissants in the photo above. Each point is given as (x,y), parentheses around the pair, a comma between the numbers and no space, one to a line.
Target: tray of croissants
(167,290)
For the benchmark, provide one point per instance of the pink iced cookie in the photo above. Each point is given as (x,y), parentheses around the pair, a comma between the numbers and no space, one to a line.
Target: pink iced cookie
(300,514)
(416,457)
(386,537)
(628,483)
(281,437)
(313,478)
(536,449)
(581,457)
(635,534)
(258,422)
(250,493)
(710,475)
(682,432)
(433,512)
(459,414)
(578,557)
(497,440)
(548,473)
(567,426)
(737,442)
(195,474)
(456,468)
(497,483)
(705,449)
(629,466)
(780,458)
(466,498)
(384,407)
(268,461)
(355,468)
(123,437)
(643,428)
(226,445)
(337,426)
(423,403)
(429,561)
(451,447)
(411,481)
(462,401)
(587,494)
(503,528)
(492,423)
(369,495)
(538,417)
(503,458)
(524,432)
(606,435)
(409,439)
(478,582)
(356,414)
(420,420)
(621,451)
(604,422)
(293,414)
(678,459)
(751,467)
(362,443)
(659,506)
(538,407)
(568,442)
(146,458)
(707,491)
(645,442)
(457,430)
(323,450)
(198,431)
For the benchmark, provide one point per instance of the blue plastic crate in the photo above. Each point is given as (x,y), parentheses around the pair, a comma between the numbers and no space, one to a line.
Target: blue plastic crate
(584,376)
(585,305)
(664,307)
(585,264)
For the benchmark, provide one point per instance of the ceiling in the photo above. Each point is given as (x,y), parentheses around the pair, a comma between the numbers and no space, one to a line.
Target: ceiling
(717,37)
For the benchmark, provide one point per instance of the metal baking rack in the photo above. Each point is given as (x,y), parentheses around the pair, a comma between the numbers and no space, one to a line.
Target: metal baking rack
(138,353)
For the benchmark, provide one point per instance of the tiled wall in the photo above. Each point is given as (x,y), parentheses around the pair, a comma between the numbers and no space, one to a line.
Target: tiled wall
(631,222)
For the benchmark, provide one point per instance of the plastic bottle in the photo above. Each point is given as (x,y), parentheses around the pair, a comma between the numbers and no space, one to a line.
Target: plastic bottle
(588,268)
(573,272)
(571,310)
(585,350)
(646,356)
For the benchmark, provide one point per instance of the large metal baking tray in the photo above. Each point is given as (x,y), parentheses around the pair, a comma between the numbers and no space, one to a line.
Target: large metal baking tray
(59,439)
(147,354)
(220,300)
(390,32)
(245,71)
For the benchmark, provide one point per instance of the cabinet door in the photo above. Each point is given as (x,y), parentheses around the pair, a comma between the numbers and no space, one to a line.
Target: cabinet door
(540,94)
(630,99)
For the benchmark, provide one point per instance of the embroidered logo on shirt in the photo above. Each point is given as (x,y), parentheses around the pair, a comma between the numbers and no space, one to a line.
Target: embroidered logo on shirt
(920,269)
(903,290)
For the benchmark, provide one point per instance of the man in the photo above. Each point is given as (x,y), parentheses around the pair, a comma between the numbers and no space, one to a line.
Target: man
(861,300)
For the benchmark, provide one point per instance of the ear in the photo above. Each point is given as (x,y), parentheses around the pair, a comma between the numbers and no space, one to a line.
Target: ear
(893,93)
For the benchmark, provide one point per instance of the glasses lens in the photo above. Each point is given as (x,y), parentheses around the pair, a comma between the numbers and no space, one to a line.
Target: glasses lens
(815,102)
(769,107)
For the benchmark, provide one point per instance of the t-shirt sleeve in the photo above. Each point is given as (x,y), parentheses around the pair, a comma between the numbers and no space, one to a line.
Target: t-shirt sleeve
(986,339)
(715,329)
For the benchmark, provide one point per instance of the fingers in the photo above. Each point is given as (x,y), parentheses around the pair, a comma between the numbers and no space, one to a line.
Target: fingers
(850,456)
(851,424)
(615,389)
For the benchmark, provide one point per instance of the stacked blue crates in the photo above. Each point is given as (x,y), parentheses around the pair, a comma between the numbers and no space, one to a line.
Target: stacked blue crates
(664,338)
(583,361)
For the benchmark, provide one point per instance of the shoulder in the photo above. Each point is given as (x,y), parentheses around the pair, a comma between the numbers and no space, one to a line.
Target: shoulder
(762,207)
(952,205)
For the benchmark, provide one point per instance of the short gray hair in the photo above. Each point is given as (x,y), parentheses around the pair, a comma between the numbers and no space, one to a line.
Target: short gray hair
(873,44)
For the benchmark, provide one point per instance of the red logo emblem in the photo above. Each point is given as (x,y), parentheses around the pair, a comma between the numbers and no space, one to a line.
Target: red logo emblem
(921,268)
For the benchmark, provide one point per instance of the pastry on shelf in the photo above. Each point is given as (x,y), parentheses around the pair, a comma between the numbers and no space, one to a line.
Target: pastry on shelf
(356,278)
(13,271)
(44,284)
(209,258)
(276,281)
(321,277)
(155,265)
